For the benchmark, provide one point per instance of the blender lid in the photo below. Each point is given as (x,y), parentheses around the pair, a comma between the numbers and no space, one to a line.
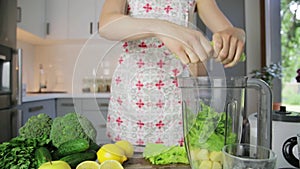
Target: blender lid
(286,116)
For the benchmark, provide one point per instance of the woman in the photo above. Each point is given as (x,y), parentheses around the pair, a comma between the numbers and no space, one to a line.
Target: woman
(157,39)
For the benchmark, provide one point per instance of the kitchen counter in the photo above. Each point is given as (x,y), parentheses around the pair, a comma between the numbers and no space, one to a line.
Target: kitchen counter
(138,162)
(45,96)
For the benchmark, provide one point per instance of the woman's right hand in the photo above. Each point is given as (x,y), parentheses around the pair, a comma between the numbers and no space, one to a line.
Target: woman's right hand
(189,45)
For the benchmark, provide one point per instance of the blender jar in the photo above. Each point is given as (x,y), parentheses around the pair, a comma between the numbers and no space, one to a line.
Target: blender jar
(213,110)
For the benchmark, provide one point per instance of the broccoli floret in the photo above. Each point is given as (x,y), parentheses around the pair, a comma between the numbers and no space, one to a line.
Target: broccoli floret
(71,126)
(37,127)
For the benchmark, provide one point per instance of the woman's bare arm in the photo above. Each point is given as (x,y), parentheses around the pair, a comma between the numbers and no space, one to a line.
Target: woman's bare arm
(228,40)
(188,44)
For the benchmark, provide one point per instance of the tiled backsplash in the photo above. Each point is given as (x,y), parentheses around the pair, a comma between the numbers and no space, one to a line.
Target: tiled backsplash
(67,64)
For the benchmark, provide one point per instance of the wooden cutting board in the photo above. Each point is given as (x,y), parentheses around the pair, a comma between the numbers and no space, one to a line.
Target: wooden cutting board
(138,162)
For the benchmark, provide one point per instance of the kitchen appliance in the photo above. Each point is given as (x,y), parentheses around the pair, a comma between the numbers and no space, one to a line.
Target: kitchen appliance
(10,72)
(285,127)
(207,99)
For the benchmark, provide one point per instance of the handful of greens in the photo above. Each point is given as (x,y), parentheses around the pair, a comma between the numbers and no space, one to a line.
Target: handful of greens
(18,153)
(208,130)
(161,154)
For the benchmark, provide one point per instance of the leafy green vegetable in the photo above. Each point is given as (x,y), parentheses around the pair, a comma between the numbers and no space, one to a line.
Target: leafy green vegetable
(37,127)
(18,153)
(161,154)
(208,130)
(71,126)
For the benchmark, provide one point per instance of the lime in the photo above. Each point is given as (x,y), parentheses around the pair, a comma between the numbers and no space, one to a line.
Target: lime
(126,146)
(88,165)
(111,152)
(111,164)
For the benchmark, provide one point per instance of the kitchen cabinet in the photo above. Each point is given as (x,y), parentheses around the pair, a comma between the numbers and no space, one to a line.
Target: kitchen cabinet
(82,16)
(72,19)
(8,23)
(32,16)
(36,107)
(57,19)
(64,106)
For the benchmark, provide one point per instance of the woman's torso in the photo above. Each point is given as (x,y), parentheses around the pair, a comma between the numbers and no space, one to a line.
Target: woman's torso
(145,103)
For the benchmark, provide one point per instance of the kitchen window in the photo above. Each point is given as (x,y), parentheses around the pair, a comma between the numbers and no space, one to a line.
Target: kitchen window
(282,44)
(290,52)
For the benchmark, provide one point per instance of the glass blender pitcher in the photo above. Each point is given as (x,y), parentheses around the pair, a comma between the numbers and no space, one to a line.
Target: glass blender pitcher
(213,115)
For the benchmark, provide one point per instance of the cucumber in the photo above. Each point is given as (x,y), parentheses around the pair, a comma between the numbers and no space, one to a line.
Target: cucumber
(71,147)
(74,159)
(94,146)
(42,155)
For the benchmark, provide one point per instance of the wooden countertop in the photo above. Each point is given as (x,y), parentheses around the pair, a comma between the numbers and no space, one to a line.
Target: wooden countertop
(138,162)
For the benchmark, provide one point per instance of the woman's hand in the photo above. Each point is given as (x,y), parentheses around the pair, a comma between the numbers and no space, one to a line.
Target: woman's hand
(189,45)
(229,45)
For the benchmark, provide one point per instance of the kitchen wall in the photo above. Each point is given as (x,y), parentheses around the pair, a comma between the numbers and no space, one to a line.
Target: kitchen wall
(28,63)
(67,63)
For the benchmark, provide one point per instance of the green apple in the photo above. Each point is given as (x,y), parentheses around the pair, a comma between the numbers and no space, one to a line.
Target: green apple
(55,165)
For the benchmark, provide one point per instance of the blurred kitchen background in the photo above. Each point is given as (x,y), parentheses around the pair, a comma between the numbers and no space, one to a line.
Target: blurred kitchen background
(67,67)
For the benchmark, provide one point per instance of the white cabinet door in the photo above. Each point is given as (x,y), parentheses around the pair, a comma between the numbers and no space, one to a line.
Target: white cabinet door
(81,18)
(57,19)
(33,16)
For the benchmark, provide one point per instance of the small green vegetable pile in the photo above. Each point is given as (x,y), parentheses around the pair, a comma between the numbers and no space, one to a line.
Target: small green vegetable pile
(208,130)
(161,154)
(42,137)
(37,127)
(71,126)
(18,153)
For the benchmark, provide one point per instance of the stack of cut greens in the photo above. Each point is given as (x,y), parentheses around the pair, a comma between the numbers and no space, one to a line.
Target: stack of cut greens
(208,129)
(206,136)
(161,154)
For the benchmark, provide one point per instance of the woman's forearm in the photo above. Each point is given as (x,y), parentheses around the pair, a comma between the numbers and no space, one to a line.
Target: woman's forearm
(212,16)
(122,27)
(114,24)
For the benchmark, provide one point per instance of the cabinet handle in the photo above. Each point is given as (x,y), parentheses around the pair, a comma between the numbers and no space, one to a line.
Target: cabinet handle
(36,108)
(97,26)
(67,104)
(19,14)
(103,104)
(48,28)
(91,28)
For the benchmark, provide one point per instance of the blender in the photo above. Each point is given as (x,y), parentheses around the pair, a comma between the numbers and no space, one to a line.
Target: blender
(214,115)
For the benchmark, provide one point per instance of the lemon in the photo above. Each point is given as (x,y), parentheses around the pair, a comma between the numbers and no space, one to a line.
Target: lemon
(88,165)
(111,152)
(126,146)
(111,164)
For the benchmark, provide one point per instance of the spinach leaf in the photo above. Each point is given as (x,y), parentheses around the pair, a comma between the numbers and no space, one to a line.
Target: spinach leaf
(18,153)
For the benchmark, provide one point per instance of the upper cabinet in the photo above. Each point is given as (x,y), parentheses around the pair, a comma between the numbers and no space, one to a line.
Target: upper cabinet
(57,19)
(8,24)
(32,16)
(60,19)
(72,19)
(82,15)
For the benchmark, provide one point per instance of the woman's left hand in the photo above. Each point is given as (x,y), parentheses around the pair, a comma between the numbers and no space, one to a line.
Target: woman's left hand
(229,45)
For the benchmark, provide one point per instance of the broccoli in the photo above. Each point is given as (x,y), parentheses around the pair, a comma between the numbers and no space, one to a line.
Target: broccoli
(37,127)
(71,126)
